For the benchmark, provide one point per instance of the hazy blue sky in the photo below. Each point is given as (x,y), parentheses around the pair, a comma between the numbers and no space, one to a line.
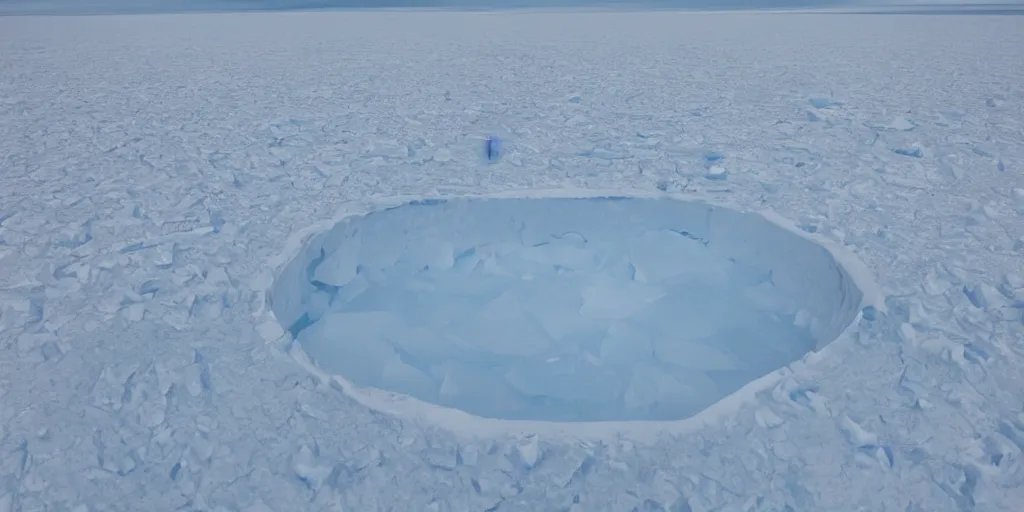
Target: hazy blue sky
(102,6)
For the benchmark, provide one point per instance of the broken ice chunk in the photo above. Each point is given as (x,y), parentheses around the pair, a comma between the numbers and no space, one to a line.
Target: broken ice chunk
(353,345)
(803,319)
(428,253)
(562,254)
(449,387)
(767,297)
(501,327)
(608,299)
(317,304)
(352,289)
(384,297)
(688,313)
(557,307)
(381,251)
(466,261)
(783,334)
(479,389)
(487,259)
(164,256)
(617,267)
(695,355)
(660,394)
(625,343)
(341,266)
(901,124)
(662,254)
(765,343)
(716,172)
(404,378)
(422,343)
(564,379)
(743,276)
(437,310)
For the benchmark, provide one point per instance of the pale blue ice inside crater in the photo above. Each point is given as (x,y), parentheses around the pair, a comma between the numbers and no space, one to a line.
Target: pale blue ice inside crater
(590,309)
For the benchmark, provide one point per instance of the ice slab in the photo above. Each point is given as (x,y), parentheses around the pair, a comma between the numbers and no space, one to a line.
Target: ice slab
(594,309)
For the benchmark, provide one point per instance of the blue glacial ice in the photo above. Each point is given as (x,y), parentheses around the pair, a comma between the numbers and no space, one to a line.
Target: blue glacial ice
(562,309)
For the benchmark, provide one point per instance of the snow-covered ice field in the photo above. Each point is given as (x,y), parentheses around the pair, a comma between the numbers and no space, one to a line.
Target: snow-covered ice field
(179,194)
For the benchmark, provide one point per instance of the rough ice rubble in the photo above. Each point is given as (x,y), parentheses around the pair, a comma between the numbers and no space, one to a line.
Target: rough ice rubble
(590,309)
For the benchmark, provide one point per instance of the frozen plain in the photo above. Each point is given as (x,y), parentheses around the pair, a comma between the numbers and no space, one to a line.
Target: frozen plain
(159,171)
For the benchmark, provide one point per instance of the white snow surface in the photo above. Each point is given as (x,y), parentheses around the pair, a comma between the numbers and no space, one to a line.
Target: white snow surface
(158,173)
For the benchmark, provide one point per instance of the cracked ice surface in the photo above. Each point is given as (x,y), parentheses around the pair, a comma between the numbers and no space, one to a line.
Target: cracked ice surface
(562,309)
(157,172)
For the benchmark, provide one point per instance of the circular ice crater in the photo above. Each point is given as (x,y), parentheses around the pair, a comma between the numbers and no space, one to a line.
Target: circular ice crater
(562,309)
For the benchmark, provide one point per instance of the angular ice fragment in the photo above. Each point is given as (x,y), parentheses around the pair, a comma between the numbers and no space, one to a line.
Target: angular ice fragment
(609,299)
(404,378)
(690,313)
(352,289)
(821,102)
(431,253)
(449,386)
(744,276)
(767,298)
(803,318)
(766,343)
(353,345)
(340,266)
(914,152)
(716,172)
(480,286)
(489,259)
(501,327)
(625,343)
(543,223)
(374,298)
(478,389)
(557,308)
(617,267)
(466,261)
(901,124)
(382,251)
(422,343)
(563,254)
(442,155)
(517,265)
(660,394)
(695,355)
(1018,199)
(528,451)
(388,148)
(659,255)
(317,304)
(565,379)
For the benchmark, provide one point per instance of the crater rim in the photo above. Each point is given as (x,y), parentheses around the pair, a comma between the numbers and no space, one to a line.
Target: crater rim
(452,418)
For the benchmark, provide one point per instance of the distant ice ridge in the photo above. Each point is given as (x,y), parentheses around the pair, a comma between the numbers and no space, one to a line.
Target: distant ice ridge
(592,309)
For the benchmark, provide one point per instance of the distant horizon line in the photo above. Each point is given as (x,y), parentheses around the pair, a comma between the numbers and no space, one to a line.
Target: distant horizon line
(130,7)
